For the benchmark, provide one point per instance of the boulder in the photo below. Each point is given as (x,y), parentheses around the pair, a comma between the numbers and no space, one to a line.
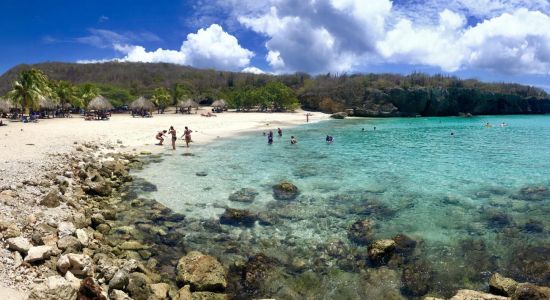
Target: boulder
(77,264)
(90,290)
(133,245)
(500,285)
(160,290)
(120,280)
(119,295)
(38,253)
(69,244)
(53,288)
(209,296)
(361,232)
(96,185)
(19,244)
(475,295)
(381,251)
(138,286)
(527,291)
(97,219)
(285,191)
(184,293)
(65,229)
(114,168)
(52,199)
(10,231)
(238,217)
(202,272)
(246,195)
(82,237)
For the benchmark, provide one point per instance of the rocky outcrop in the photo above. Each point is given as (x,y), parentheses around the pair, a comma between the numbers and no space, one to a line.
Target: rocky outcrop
(501,285)
(475,295)
(202,272)
(246,195)
(54,288)
(527,291)
(285,191)
(138,286)
(381,251)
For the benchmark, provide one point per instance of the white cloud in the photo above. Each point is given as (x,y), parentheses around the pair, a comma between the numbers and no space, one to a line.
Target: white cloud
(208,48)
(252,70)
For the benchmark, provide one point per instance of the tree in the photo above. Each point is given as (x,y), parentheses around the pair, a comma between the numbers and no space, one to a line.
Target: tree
(87,92)
(161,98)
(65,92)
(29,88)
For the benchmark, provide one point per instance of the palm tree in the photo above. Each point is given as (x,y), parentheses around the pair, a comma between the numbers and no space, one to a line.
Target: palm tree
(161,98)
(29,88)
(87,92)
(65,92)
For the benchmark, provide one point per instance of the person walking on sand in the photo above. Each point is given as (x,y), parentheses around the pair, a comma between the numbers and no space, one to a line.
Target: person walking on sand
(160,137)
(280,132)
(172,131)
(187,136)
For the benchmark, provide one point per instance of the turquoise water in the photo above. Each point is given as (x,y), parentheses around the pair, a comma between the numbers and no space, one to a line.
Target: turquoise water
(459,196)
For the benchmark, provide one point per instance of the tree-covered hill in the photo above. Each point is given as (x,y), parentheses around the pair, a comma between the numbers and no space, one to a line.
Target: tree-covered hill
(366,95)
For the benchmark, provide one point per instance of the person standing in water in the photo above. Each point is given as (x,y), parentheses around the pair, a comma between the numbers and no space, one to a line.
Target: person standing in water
(293,140)
(160,137)
(280,132)
(270,137)
(172,131)
(187,136)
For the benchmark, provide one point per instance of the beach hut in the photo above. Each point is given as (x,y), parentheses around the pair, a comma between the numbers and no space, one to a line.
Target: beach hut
(142,107)
(219,106)
(99,107)
(187,105)
(5,106)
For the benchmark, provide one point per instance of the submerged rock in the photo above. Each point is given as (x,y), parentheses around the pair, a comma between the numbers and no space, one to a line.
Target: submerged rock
(246,195)
(527,291)
(416,278)
(404,245)
(532,193)
(138,286)
(257,270)
(285,191)
(475,295)
(361,231)
(530,264)
(533,226)
(202,272)
(380,251)
(238,217)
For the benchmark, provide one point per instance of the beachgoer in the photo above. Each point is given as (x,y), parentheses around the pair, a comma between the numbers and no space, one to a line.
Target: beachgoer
(452,133)
(187,136)
(488,125)
(172,131)
(329,139)
(293,140)
(280,132)
(270,137)
(374,127)
(160,136)
(363,129)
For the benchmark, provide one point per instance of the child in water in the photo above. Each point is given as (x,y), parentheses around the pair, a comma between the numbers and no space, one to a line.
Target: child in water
(293,140)
(329,139)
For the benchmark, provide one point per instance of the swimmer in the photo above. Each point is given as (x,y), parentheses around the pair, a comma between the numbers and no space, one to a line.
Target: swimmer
(329,139)
(270,137)
(293,140)
(488,125)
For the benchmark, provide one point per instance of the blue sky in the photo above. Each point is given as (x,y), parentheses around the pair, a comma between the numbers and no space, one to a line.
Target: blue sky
(492,40)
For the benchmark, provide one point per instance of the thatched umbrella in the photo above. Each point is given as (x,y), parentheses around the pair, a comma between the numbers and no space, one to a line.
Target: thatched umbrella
(142,104)
(100,103)
(219,103)
(5,106)
(188,104)
(47,103)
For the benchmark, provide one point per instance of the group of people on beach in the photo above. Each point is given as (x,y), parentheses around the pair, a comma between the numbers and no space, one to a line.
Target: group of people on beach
(172,131)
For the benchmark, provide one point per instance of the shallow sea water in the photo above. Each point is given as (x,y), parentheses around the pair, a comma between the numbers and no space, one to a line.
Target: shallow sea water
(459,196)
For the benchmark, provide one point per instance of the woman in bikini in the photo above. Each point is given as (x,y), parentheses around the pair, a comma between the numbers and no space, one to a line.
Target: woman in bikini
(187,136)
(172,131)
(160,137)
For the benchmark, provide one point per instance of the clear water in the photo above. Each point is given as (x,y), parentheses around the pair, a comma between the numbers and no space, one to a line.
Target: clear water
(457,195)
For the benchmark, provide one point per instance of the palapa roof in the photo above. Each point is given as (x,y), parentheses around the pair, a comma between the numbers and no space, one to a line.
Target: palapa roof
(46,103)
(219,103)
(142,103)
(188,103)
(5,106)
(100,103)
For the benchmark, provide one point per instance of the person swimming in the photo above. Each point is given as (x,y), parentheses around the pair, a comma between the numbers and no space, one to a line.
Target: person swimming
(329,139)
(280,132)
(293,140)
(503,124)
(488,125)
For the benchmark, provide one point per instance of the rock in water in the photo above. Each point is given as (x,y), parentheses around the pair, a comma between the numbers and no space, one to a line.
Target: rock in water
(475,295)
(138,286)
(532,193)
(361,232)
(38,253)
(238,217)
(119,280)
(53,288)
(285,191)
(52,199)
(416,279)
(246,195)
(160,290)
(527,291)
(501,285)
(202,272)
(381,251)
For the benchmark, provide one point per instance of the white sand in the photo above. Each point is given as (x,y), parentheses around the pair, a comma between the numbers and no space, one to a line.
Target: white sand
(32,142)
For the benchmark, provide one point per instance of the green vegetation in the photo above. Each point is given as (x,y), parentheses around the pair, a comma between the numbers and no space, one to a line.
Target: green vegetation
(30,86)
(365,95)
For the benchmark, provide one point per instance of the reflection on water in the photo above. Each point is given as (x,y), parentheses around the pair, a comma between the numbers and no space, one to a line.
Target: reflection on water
(458,206)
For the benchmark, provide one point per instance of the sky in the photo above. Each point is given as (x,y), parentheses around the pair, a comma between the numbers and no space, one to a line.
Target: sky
(490,40)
